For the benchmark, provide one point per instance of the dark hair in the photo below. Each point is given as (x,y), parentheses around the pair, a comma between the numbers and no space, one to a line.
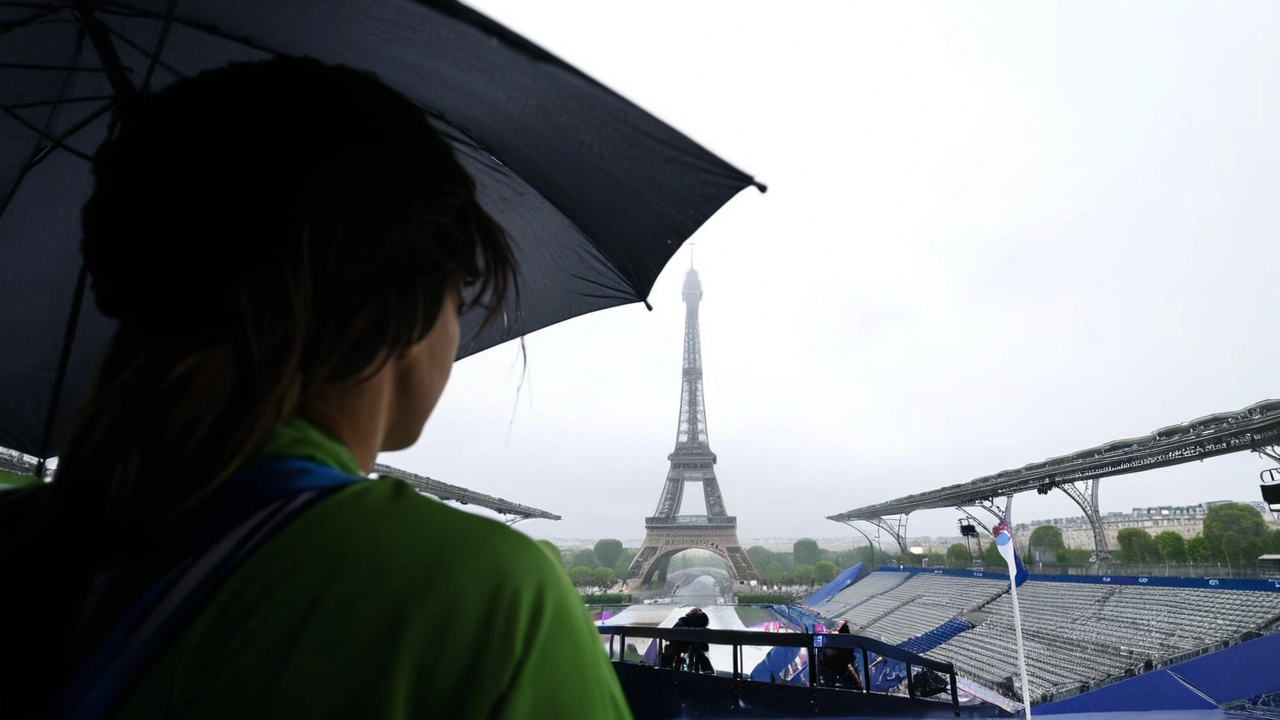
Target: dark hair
(258,230)
(697,618)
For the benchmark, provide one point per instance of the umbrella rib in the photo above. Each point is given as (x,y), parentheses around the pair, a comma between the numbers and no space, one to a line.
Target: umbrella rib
(53,139)
(597,283)
(163,65)
(48,103)
(158,50)
(116,8)
(33,18)
(51,68)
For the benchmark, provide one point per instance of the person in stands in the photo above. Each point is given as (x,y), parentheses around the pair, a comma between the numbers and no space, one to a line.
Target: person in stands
(836,665)
(690,655)
(285,247)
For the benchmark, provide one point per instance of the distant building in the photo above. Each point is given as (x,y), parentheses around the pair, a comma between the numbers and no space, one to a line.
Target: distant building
(1186,520)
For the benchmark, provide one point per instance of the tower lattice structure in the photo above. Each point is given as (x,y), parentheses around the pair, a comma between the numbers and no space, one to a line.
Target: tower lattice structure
(667,532)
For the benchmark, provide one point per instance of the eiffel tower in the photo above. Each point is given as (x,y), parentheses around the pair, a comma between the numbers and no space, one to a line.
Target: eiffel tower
(667,532)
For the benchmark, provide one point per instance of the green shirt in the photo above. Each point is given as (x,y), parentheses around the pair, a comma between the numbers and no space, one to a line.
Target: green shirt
(382,603)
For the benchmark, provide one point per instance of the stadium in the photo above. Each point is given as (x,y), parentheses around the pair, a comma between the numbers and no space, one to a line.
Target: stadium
(1095,642)
(1092,642)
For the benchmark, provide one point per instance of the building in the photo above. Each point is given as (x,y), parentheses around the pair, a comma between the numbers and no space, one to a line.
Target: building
(1186,520)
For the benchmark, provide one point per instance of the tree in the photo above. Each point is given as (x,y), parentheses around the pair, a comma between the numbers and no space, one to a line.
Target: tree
(581,575)
(825,571)
(585,558)
(787,559)
(1235,533)
(1073,556)
(992,559)
(1198,549)
(805,552)
(551,549)
(607,552)
(760,556)
(624,561)
(1136,546)
(604,577)
(1172,546)
(1047,539)
(803,574)
(773,573)
(958,556)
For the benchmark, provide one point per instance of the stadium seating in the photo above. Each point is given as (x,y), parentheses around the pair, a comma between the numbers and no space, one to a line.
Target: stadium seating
(1078,635)
(859,592)
(916,605)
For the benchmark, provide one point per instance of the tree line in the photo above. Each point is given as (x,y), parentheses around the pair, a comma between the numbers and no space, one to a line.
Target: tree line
(598,568)
(1234,534)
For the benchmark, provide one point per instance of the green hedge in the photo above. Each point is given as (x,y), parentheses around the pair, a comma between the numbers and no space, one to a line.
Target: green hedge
(607,599)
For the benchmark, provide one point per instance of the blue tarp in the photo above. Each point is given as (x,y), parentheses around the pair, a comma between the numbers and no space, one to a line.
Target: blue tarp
(783,665)
(797,618)
(923,643)
(828,591)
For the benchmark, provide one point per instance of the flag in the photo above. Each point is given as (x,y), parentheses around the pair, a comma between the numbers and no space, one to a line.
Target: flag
(1004,543)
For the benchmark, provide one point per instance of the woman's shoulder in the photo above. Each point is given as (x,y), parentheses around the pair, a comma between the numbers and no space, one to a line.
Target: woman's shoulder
(387,521)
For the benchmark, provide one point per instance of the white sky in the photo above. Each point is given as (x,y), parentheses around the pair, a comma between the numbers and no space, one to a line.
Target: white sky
(994,233)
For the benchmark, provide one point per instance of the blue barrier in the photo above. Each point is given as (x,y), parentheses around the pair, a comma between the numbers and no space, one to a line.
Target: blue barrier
(828,591)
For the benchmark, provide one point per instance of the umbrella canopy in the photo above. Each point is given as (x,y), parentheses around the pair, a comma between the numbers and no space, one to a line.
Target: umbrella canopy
(596,194)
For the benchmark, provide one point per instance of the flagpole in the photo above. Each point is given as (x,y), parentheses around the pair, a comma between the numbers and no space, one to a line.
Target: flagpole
(1017,617)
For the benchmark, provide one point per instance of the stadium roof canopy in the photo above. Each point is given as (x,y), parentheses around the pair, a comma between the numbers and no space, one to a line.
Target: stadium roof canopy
(447,492)
(19,464)
(1253,428)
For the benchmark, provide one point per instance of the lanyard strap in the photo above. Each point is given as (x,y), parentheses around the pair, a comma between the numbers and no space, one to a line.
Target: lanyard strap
(254,504)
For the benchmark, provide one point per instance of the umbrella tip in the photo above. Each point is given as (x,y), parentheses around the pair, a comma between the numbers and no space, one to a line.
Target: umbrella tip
(760,186)
(647,306)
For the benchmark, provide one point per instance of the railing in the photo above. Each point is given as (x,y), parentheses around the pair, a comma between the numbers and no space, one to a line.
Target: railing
(811,642)
(690,520)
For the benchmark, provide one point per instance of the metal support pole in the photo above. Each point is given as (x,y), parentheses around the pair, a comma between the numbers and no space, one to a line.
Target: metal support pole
(870,545)
(955,692)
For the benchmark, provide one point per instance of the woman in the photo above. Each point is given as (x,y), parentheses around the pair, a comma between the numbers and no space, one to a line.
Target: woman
(286,247)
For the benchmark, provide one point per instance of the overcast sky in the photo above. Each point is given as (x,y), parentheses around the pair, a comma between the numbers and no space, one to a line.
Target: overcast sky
(994,233)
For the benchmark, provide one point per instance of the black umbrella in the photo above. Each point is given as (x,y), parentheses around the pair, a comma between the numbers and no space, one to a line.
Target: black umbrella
(596,193)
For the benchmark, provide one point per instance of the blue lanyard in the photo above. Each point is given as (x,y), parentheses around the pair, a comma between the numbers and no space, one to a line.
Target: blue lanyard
(240,517)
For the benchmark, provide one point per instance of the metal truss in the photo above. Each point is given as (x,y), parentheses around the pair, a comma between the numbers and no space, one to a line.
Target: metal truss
(873,545)
(1252,428)
(1085,494)
(973,519)
(1271,453)
(452,493)
(895,525)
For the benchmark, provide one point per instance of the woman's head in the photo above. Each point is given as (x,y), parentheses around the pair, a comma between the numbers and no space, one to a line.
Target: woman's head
(262,232)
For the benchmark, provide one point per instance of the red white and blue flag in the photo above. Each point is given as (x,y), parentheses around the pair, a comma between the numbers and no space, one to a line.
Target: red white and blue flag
(1004,543)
